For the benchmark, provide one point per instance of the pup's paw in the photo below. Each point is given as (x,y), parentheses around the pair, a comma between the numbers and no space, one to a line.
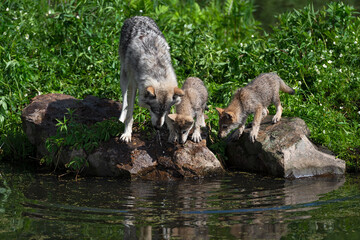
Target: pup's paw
(265,112)
(253,136)
(276,118)
(196,137)
(236,134)
(125,137)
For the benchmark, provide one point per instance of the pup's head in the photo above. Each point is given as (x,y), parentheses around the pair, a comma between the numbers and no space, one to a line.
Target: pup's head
(227,121)
(159,102)
(182,124)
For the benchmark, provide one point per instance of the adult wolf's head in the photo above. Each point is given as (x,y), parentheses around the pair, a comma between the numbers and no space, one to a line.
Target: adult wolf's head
(159,102)
(227,121)
(182,124)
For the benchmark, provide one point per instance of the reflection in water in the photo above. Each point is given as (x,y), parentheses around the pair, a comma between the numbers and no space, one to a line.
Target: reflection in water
(243,206)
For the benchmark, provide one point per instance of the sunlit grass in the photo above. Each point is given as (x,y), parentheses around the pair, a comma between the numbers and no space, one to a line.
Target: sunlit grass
(71,47)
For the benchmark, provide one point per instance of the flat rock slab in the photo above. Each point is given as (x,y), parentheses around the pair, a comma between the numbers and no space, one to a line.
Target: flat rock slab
(148,156)
(283,150)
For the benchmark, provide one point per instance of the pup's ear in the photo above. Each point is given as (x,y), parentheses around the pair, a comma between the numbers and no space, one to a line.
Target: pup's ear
(172,117)
(178,92)
(220,110)
(150,92)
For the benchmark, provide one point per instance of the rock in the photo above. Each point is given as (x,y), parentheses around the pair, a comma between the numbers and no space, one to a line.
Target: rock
(283,150)
(148,156)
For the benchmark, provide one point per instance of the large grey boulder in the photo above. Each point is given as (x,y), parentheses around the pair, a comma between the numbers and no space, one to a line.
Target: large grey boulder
(147,156)
(283,150)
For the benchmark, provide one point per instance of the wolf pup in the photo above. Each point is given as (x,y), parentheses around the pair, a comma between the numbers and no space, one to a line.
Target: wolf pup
(192,106)
(146,65)
(253,98)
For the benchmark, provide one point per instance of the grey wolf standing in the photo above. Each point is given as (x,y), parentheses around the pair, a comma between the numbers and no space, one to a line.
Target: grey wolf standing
(192,106)
(253,98)
(146,65)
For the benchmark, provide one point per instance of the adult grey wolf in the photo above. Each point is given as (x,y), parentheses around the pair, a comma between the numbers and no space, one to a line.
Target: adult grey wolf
(253,98)
(192,106)
(146,65)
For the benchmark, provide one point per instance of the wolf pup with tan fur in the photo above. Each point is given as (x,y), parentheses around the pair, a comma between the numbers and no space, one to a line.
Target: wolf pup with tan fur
(192,106)
(253,98)
(146,65)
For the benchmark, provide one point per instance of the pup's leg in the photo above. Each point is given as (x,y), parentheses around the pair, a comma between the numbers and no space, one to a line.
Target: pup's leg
(172,135)
(265,112)
(238,132)
(200,121)
(202,112)
(277,116)
(124,84)
(256,123)
(126,136)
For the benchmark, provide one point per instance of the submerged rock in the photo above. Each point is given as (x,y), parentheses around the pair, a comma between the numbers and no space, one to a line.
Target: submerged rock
(282,149)
(147,156)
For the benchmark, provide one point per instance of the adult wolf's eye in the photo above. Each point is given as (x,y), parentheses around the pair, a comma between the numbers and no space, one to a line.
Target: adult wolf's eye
(183,132)
(224,127)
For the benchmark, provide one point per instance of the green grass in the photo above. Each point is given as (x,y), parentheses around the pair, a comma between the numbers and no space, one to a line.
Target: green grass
(71,47)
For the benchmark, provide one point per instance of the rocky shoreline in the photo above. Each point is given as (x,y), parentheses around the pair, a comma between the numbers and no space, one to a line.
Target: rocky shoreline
(281,150)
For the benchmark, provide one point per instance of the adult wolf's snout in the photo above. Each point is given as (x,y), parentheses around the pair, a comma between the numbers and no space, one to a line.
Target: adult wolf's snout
(157,127)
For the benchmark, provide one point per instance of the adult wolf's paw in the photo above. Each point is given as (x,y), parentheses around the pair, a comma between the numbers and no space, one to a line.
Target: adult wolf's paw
(125,137)
(196,137)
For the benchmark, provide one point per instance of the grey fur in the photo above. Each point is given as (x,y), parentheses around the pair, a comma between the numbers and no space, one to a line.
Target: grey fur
(193,105)
(253,98)
(146,65)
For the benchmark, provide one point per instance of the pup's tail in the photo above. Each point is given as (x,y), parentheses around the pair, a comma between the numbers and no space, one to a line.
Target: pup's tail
(286,88)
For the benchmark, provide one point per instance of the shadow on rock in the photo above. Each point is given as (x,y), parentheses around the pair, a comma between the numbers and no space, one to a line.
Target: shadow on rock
(282,149)
(148,156)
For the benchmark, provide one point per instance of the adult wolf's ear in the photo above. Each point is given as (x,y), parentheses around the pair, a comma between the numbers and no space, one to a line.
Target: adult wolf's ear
(150,92)
(178,93)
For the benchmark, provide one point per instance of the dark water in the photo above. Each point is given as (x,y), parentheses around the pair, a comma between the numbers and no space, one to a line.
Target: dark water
(242,206)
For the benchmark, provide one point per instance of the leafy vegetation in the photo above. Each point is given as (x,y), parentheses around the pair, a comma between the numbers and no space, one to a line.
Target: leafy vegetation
(78,136)
(71,47)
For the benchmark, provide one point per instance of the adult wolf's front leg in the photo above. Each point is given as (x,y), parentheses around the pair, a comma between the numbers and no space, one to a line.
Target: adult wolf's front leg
(124,84)
(126,136)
